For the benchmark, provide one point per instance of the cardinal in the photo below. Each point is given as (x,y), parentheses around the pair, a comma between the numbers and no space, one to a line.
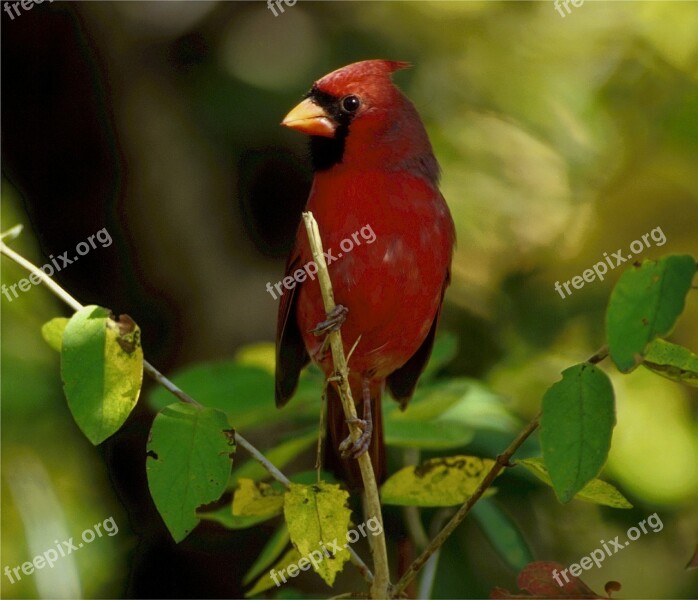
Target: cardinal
(373,167)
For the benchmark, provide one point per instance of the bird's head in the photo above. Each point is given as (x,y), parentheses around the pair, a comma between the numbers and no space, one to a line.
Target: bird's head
(356,114)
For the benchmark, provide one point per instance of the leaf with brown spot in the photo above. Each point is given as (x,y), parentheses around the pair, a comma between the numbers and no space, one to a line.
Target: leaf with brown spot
(437,482)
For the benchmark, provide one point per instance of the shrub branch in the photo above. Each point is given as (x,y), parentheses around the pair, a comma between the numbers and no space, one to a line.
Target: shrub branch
(58,291)
(381,583)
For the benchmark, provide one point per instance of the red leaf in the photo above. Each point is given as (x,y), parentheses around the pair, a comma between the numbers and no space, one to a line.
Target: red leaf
(537,579)
(693,563)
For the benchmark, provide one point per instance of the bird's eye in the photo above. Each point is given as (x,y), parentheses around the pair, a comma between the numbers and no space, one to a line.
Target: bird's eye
(350,104)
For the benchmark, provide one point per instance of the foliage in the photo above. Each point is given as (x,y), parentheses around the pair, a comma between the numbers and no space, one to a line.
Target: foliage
(190,448)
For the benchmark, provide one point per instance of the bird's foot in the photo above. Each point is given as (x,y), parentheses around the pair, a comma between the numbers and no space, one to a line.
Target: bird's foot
(334,320)
(354,449)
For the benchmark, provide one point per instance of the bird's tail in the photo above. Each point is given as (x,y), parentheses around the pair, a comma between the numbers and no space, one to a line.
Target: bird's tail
(347,469)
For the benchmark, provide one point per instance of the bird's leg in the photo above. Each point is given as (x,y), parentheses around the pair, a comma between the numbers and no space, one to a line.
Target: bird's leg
(353,449)
(334,320)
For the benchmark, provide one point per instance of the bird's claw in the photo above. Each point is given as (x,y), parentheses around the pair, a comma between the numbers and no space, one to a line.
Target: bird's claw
(354,449)
(334,321)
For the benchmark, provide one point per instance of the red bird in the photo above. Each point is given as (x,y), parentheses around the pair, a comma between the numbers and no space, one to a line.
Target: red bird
(374,172)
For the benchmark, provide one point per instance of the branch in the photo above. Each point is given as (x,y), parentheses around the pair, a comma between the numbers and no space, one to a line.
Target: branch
(381,583)
(499,465)
(501,462)
(58,291)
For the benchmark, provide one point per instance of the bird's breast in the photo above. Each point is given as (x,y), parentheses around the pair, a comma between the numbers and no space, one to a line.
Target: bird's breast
(389,240)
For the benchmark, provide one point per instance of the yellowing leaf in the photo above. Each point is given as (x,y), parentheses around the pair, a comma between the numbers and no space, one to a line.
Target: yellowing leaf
(261,355)
(52,332)
(436,482)
(596,491)
(224,516)
(254,499)
(102,370)
(318,521)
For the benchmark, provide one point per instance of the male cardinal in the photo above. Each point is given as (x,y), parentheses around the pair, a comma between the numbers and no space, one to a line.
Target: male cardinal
(373,166)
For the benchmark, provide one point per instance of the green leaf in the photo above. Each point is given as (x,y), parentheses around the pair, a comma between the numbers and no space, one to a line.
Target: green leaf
(254,499)
(596,491)
(672,361)
(576,425)
(445,415)
(272,549)
(317,517)
(437,482)
(102,370)
(503,533)
(645,304)
(431,435)
(475,405)
(188,463)
(52,332)
(277,575)
(457,399)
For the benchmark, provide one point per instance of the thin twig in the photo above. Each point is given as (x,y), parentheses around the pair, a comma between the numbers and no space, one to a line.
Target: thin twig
(58,291)
(501,462)
(45,279)
(598,356)
(321,433)
(381,583)
(169,385)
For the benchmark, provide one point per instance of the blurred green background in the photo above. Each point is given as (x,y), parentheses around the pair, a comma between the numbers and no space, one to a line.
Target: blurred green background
(560,138)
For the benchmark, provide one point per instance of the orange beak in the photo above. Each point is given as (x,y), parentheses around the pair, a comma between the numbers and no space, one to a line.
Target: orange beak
(310,119)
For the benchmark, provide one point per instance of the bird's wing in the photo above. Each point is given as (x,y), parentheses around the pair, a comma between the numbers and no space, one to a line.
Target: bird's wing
(403,381)
(291,355)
